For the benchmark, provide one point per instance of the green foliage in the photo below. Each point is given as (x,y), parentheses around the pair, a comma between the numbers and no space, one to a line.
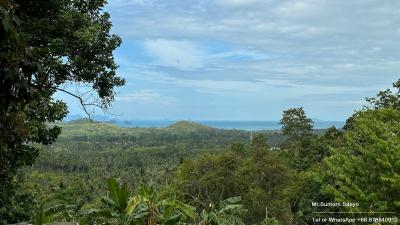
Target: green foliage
(44,45)
(238,148)
(201,168)
(208,178)
(114,206)
(387,98)
(149,208)
(187,126)
(41,216)
(304,152)
(92,152)
(227,212)
(365,167)
(268,220)
(86,154)
(47,215)
(259,177)
(259,142)
(304,189)
(118,196)
(311,149)
(295,124)
(17,201)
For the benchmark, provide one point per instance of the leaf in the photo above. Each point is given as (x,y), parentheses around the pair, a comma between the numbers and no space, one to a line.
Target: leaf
(231,208)
(188,210)
(134,202)
(108,202)
(232,200)
(113,188)
(54,209)
(123,196)
(7,25)
(97,212)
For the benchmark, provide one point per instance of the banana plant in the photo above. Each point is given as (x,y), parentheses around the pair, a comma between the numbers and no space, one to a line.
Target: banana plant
(148,208)
(114,206)
(227,212)
(118,196)
(145,208)
(46,215)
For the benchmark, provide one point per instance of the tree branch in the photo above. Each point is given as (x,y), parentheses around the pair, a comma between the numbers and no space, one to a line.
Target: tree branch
(84,102)
(81,101)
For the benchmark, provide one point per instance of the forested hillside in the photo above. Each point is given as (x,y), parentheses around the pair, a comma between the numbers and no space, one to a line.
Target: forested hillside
(88,153)
(100,147)
(105,150)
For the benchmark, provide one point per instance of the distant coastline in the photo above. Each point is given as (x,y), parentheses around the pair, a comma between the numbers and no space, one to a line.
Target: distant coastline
(220,124)
(236,125)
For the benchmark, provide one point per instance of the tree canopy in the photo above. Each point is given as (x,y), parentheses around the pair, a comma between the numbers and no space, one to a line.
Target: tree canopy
(296,124)
(44,46)
(364,168)
(389,98)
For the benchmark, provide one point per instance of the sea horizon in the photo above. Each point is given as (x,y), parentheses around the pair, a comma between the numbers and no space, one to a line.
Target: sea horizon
(249,125)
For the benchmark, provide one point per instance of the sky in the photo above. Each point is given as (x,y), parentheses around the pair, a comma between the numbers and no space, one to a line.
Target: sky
(251,59)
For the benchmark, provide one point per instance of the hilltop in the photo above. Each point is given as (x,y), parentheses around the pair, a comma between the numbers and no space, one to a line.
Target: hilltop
(188,126)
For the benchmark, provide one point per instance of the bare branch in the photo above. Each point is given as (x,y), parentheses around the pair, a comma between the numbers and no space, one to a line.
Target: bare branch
(87,100)
(81,101)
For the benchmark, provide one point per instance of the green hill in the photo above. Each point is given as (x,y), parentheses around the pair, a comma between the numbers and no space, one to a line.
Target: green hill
(188,126)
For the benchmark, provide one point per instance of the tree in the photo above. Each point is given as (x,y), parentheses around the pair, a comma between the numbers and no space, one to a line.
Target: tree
(261,180)
(207,179)
(258,178)
(365,168)
(44,45)
(313,149)
(300,141)
(387,98)
(238,148)
(259,142)
(295,123)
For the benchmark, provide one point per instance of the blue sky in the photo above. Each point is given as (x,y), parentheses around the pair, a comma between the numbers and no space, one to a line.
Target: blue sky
(251,59)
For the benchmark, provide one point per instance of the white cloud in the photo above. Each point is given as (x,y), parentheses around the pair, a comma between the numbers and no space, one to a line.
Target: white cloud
(244,54)
(298,8)
(172,53)
(236,2)
(317,46)
(146,97)
(186,55)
